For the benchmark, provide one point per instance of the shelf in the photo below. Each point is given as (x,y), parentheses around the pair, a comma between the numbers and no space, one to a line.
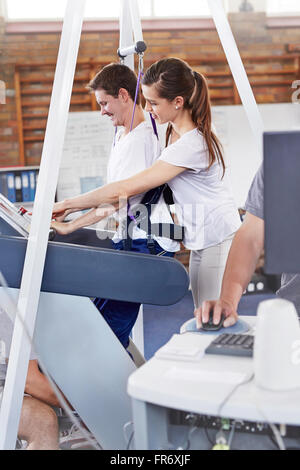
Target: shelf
(262,71)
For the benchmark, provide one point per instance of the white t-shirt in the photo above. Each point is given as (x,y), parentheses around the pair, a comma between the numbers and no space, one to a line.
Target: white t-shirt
(130,155)
(203,200)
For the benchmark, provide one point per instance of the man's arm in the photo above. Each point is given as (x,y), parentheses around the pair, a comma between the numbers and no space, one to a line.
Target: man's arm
(37,385)
(85,220)
(245,250)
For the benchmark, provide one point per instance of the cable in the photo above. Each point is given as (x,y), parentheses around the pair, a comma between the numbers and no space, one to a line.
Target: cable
(277,436)
(273,440)
(223,403)
(64,405)
(128,440)
(276,433)
(210,440)
(188,439)
(230,438)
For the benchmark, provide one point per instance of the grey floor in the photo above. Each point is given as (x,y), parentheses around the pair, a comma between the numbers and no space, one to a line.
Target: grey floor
(160,323)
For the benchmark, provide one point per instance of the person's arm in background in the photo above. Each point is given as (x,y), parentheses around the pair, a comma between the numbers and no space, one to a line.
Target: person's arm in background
(38,386)
(245,250)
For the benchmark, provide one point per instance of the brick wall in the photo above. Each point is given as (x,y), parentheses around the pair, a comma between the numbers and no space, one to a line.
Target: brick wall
(8,124)
(250,30)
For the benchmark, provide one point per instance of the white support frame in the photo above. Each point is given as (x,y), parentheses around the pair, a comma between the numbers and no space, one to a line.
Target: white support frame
(39,232)
(3,9)
(238,71)
(126,34)
(130,33)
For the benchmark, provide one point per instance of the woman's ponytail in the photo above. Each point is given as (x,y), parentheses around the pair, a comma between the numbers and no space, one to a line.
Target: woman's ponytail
(168,133)
(201,116)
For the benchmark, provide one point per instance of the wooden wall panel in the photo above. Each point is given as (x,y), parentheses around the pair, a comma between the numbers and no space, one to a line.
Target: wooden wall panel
(271,56)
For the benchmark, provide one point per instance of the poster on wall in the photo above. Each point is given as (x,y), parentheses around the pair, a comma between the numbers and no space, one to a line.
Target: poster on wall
(88,141)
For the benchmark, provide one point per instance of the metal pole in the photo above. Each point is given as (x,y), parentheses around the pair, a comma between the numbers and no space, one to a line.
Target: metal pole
(136,21)
(3,9)
(238,70)
(42,211)
(126,32)
(131,32)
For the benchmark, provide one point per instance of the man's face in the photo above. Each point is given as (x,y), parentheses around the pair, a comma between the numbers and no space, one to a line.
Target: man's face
(110,106)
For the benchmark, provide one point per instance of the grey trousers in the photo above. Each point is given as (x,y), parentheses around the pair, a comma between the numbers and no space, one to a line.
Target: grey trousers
(206,271)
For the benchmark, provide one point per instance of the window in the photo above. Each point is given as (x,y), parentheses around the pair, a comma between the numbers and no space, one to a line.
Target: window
(55,9)
(181,8)
(102,9)
(35,9)
(282,7)
(111,9)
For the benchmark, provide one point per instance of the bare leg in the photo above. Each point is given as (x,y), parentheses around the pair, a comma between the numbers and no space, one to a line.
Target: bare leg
(38,425)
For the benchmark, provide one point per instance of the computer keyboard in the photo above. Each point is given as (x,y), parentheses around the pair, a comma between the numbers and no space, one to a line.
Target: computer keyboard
(232,345)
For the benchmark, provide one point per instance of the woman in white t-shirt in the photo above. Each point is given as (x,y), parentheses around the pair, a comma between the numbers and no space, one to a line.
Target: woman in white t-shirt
(192,164)
(135,148)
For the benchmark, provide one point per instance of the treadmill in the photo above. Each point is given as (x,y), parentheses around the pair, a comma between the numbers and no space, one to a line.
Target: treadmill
(80,351)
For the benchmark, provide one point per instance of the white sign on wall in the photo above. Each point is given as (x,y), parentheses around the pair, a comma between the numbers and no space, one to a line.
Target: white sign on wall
(87,145)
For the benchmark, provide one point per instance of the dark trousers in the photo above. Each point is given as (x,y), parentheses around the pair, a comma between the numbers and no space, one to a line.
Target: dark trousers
(121,316)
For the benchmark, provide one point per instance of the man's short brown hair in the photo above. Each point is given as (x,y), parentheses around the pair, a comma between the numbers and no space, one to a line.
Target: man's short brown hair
(113,77)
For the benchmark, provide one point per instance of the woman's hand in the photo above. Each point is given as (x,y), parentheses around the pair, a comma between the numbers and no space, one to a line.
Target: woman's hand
(61,210)
(219,307)
(62,217)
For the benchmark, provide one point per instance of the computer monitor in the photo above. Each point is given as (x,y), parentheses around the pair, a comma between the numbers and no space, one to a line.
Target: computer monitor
(282,201)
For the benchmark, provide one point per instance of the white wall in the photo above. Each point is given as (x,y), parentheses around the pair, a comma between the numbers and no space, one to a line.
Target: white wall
(234,131)
(2,8)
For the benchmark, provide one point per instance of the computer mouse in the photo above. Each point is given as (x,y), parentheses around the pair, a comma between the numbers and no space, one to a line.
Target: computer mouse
(210,326)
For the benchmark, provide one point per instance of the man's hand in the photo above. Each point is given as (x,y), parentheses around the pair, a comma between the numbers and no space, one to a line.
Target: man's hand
(218,306)
(62,228)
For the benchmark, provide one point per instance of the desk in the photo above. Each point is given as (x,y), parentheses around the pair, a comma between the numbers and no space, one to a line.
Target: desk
(160,385)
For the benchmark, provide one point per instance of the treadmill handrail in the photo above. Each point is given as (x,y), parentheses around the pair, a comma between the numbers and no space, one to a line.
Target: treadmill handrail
(99,272)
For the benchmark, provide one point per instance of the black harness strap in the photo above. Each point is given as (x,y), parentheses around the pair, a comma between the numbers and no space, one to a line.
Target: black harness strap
(171,231)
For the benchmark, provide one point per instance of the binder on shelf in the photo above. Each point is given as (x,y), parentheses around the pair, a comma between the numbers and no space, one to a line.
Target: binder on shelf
(25,187)
(18,187)
(32,184)
(18,184)
(3,184)
(11,190)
